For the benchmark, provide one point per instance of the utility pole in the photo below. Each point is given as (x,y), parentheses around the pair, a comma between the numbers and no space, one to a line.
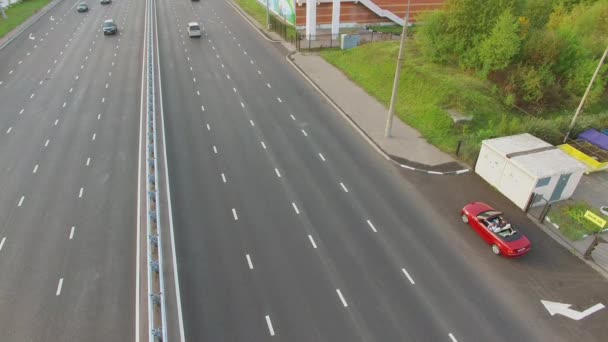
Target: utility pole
(267,16)
(400,58)
(580,105)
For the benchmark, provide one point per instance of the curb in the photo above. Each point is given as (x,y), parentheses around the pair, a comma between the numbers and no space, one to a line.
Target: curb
(17,31)
(362,132)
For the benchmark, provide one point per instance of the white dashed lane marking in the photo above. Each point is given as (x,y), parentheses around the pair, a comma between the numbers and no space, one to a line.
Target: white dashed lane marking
(342,298)
(59,286)
(371,225)
(2,243)
(269,323)
(343,187)
(236,217)
(35,169)
(312,241)
(72,233)
(249,262)
(21,201)
(295,208)
(408,276)
(321,156)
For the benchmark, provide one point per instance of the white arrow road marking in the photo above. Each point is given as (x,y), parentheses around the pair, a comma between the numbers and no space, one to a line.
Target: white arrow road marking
(564,310)
(52,19)
(31,36)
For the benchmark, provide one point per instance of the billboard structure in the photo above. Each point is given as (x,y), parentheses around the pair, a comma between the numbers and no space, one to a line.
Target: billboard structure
(285,9)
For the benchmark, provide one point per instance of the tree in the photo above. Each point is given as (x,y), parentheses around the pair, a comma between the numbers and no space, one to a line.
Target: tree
(497,50)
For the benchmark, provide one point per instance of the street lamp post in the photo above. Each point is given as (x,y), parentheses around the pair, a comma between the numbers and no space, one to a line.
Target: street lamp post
(400,58)
(267,16)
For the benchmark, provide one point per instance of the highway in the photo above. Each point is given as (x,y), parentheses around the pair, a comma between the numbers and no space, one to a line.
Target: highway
(69,115)
(288,225)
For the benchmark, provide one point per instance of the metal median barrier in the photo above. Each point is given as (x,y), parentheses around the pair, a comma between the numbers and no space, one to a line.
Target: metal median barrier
(157,320)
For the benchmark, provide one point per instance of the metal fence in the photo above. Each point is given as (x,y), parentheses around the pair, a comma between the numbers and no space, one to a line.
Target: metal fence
(538,207)
(328,40)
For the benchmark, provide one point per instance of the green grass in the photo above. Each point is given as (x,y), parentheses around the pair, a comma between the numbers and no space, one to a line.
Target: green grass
(254,9)
(394,29)
(18,13)
(426,90)
(571,221)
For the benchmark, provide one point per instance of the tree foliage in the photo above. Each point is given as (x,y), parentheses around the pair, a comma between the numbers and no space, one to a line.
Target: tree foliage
(542,52)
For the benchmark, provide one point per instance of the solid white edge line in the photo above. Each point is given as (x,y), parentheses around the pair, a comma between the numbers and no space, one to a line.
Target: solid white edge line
(312,241)
(236,217)
(59,286)
(342,298)
(2,243)
(139,158)
(249,261)
(269,323)
(452,337)
(72,233)
(162,117)
(408,276)
(371,225)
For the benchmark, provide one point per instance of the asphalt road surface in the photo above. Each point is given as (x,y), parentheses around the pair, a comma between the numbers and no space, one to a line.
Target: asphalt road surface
(69,114)
(289,227)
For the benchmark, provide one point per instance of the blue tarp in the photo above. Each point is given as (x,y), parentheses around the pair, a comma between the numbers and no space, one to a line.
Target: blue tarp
(605,131)
(596,138)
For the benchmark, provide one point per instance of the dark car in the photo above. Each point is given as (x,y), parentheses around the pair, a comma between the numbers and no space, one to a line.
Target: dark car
(82,7)
(105,2)
(109,27)
(495,230)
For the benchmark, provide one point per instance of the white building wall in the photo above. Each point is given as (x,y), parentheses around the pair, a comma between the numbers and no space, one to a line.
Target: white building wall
(547,190)
(516,185)
(572,184)
(490,165)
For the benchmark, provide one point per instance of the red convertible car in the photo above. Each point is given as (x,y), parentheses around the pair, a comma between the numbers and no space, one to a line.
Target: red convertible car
(495,230)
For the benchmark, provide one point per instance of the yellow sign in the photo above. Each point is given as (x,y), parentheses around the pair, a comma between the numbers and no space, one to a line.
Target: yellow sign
(595,219)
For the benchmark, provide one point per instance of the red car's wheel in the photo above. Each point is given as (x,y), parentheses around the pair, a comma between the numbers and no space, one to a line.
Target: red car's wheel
(495,249)
(465,218)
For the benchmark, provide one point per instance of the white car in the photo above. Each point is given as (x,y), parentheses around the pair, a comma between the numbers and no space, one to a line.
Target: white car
(194,30)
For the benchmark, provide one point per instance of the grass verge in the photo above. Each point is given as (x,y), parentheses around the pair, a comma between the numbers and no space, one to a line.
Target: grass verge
(18,13)
(258,12)
(428,91)
(572,222)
